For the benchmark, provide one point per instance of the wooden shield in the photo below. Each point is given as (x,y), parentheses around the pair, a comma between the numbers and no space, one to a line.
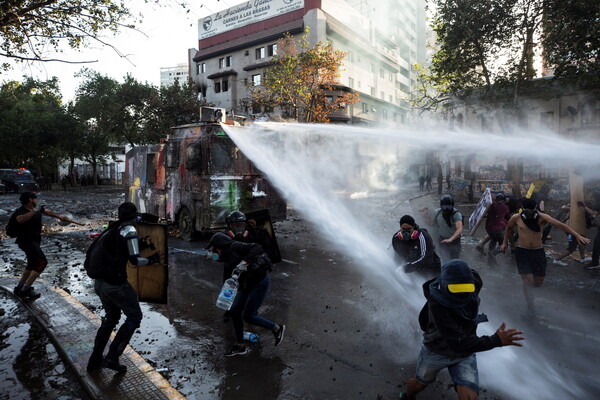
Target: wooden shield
(265,233)
(151,281)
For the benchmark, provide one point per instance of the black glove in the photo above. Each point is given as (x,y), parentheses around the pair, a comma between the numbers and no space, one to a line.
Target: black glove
(42,209)
(154,259)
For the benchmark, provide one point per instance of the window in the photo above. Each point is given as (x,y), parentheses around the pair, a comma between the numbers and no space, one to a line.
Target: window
(221,63)
(217,87)
(382,96)
(329,99)
(202,68)
(365,108)
(351,82)
(373,92)
(225,86)
(381,73)
(391,98)
(260,53)
(359,84)
(256,80)
(350,56)
(271,50)
(384,114)
(228,61)
(372,68)
(391,78)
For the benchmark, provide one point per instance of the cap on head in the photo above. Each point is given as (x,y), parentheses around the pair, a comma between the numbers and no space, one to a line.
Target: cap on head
(500,197)
(127,211)
(457,277)
(220,240)
(25,196)
(407,219)
(447,202)
(528,204)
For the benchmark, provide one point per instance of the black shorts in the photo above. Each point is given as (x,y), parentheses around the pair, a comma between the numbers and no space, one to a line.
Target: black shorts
(531,261)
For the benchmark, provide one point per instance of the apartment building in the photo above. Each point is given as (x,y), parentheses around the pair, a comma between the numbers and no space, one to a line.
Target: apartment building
(168,75)
(382,39)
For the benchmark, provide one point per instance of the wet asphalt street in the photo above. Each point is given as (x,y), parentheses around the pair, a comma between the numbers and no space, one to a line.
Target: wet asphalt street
(342,340)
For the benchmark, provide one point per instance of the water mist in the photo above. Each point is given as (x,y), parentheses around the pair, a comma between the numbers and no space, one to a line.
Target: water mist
(319,169)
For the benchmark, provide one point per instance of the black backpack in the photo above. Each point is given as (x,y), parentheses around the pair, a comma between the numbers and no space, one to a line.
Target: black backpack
(106,254)
(13,228)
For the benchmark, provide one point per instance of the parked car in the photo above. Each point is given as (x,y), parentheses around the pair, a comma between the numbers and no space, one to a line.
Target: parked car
(18,180)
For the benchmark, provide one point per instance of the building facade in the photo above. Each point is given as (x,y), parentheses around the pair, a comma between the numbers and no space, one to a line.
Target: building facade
(168,75)
(382,40)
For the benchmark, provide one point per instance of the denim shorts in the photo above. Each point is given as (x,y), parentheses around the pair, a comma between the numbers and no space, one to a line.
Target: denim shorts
(463,370)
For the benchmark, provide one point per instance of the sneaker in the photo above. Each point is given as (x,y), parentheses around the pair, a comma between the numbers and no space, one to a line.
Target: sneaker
(114,365)
(558,262)
(480,250)
(29,293)
(586,260)
(237,350)
(279,334)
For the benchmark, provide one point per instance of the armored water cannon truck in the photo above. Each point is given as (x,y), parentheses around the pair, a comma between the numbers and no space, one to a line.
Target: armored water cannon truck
(195,178)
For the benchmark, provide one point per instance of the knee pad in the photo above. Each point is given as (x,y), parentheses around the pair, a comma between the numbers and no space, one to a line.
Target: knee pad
(132,324)
(109,323)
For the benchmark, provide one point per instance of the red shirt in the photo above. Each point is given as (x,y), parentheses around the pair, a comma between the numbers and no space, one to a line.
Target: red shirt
(497,217)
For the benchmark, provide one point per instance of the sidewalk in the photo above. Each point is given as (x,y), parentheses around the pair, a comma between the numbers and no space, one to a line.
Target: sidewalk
(72,329)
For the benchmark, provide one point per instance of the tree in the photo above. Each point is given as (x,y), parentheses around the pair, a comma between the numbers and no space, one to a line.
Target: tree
(301,81)
(30,29)
(96,110)
(571,37)
(33,124)
(177,104)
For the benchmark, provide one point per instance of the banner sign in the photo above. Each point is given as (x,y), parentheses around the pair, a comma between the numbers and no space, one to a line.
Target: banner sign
(244,14)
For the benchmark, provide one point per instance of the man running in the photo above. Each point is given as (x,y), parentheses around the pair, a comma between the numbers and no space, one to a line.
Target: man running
(530,254)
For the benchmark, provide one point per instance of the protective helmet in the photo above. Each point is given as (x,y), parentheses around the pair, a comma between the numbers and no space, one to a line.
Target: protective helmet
(236,216)
(446,200)
(220,240)
(127,211)
(500,197)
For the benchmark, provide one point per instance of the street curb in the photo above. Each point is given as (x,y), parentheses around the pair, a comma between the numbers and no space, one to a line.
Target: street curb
(71,327)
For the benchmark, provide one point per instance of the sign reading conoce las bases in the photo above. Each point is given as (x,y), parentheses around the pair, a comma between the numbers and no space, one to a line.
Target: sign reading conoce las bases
(243,14)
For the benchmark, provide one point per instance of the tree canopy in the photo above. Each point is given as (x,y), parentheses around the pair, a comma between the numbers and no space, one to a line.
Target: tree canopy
(301,81)
(34,30)
(490,45)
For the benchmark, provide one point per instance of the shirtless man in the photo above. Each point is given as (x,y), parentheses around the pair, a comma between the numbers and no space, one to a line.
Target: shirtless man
(529,254)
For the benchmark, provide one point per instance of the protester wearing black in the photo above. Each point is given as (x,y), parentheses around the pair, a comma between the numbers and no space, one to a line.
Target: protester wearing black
(29,238)
(449,322)
(254,265)
(413,246)
(116,294)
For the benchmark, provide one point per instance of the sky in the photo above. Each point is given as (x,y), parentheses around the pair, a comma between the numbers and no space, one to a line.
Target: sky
(167,32)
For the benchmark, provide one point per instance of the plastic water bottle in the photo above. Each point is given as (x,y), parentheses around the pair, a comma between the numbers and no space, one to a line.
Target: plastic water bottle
(209,255)
(228,292)
(250,337)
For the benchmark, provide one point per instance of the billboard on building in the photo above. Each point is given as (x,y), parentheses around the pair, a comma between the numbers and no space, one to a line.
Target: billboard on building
(244,14)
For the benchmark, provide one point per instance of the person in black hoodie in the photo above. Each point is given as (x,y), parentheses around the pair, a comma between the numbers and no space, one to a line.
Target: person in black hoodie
(254,265)
(414,247)
(449,321)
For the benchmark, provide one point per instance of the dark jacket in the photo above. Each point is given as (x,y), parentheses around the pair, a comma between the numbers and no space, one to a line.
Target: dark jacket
(249,252)
(417,254)
(446,333)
